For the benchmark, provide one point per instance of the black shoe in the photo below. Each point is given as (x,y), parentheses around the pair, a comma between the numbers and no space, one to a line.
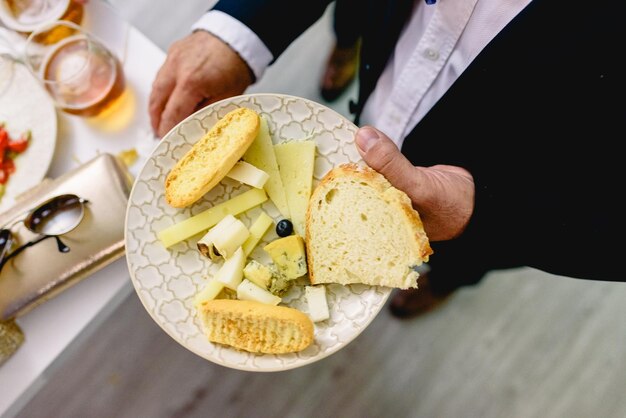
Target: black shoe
(340,71)
(410,303)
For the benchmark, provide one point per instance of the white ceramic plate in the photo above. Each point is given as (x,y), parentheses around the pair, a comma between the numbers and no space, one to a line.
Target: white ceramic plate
(24,105)
(166,280)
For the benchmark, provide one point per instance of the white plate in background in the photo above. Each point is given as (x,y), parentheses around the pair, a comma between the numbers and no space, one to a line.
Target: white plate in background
(25,105)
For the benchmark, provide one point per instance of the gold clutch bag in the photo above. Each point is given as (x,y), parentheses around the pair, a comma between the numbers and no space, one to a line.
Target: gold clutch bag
(39,272)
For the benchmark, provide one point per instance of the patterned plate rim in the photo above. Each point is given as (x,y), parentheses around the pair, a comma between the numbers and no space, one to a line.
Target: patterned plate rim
(214,359)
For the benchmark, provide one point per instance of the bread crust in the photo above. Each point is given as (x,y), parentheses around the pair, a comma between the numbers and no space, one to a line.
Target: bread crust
(382,186)
(211,158)
(256,327)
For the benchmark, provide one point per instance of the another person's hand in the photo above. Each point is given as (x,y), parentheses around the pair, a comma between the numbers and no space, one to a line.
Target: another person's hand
(442,194)
(199,69)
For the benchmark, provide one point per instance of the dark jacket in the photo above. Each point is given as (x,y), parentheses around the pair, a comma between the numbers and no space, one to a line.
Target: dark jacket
(537,118)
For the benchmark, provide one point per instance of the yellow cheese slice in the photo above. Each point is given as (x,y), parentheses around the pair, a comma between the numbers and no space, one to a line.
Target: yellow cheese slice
(205,220)
(258,228)
(261,155)
(209,292)
(296,161)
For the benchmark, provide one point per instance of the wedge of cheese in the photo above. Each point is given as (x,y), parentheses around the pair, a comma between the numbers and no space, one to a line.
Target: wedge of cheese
(209,292)
(296,161)
(261,155)
(288,255)
(231,272)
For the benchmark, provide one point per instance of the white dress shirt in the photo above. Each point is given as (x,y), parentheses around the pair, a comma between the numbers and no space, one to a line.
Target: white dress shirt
(436,45)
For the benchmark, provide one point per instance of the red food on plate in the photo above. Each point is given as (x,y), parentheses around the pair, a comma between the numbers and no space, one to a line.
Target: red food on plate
(9,149)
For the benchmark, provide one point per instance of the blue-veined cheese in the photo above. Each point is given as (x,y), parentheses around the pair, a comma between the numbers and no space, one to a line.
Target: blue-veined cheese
(257,273)
(288,255)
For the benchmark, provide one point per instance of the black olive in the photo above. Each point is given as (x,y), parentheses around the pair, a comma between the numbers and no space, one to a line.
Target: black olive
(284,228)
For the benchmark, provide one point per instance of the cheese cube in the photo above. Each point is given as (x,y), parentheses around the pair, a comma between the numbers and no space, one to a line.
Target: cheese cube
(288,255)
(316,301)
(248,174)
(231,272)
(296,161)
(249,291)
(258,274)
(261,155)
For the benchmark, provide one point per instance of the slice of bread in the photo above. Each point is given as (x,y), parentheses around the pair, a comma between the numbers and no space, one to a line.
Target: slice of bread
(256,327)
(361,229)
(211,158)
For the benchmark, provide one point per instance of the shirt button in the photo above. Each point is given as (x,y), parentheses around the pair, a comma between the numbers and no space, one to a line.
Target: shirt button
(431,54)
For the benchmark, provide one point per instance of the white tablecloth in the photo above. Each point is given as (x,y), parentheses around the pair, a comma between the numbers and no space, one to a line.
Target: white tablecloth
(52,329)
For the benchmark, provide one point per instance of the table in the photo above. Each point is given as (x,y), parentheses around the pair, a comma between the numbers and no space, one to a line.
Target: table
(55,327)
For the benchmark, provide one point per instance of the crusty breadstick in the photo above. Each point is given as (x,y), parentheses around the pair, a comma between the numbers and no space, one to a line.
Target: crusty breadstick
(256,327)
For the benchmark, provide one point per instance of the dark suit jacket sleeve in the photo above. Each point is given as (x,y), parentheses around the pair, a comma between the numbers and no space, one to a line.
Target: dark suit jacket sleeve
(276,22)
(538,128)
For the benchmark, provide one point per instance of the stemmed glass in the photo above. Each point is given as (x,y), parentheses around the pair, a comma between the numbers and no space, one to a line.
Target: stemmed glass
(81,74)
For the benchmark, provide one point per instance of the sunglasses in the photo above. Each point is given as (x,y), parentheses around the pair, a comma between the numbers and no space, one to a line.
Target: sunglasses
(52,218)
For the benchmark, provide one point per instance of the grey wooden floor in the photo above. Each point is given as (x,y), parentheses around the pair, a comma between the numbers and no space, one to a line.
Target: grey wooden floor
(521,344)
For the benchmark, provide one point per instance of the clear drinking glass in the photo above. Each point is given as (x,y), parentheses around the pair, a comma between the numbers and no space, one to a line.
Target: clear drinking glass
(81,74)
(25,15)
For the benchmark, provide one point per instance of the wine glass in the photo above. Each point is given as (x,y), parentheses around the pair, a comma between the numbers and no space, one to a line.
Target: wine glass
(81,74)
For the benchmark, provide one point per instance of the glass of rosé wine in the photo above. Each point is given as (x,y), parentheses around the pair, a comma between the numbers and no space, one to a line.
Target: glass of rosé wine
(80,73)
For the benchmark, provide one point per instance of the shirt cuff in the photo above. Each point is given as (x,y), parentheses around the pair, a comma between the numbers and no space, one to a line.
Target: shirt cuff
(240,37)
